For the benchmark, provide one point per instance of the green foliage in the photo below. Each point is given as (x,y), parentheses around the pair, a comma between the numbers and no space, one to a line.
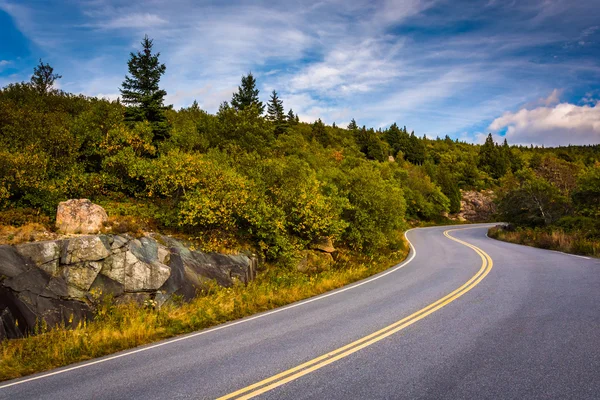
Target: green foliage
(270,183)
(493,159)
(247,95)
(531,200)
(276,114)
(424,199)
(142,93)
(376,209)
(43,77)
(586,195)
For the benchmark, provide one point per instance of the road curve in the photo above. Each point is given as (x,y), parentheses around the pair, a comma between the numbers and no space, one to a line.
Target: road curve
(442,325)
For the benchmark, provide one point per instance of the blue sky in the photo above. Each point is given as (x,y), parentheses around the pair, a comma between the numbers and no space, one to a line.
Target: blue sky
(529,70)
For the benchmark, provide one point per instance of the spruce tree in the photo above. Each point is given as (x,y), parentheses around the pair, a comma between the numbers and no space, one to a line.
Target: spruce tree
(141,91)
(43,77)
(352,125)
(247,95)
(319,133)
(276,114)
(392,136)
(291,118)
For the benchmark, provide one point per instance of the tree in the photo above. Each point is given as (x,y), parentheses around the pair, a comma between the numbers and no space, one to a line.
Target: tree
(319,133)
(276,114)
(291,118)
(352,125)
(493,159)
(247,95)
(141,91)
(531,201)
(44,77)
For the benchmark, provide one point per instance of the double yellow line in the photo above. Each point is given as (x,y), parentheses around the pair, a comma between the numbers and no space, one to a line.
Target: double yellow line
(331,357)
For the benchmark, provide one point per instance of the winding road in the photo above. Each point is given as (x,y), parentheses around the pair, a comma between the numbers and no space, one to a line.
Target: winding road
(464,317)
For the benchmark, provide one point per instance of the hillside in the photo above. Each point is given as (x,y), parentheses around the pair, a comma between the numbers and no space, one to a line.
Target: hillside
(239,178)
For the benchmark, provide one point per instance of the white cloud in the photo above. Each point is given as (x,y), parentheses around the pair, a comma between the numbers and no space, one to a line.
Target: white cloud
(4,63)
(133,21)
(562,124)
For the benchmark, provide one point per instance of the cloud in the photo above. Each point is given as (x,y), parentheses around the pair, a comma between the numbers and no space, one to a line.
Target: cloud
(4,63)
(350,69)
(133,21)
(562,124)
(436,66)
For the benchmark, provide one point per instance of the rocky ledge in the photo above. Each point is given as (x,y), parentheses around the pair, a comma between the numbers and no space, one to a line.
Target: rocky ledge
(56,282)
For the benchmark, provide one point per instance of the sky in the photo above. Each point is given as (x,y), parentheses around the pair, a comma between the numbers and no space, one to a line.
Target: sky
(525,70)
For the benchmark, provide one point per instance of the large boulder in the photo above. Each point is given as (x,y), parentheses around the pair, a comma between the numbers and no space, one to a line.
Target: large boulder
(58,282)
(80,216)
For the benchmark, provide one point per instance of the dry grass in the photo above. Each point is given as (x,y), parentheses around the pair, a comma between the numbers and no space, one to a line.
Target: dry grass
(122,327)
(26,233)
(553,239)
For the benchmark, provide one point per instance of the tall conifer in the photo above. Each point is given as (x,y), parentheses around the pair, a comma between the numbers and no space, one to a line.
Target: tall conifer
(142,93)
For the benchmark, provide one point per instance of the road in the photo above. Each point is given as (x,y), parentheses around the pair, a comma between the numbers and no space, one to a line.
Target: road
(466,317)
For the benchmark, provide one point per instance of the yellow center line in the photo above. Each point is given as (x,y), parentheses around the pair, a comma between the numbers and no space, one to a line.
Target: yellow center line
(328,358)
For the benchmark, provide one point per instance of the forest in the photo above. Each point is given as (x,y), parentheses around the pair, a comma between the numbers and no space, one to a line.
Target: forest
(252,176)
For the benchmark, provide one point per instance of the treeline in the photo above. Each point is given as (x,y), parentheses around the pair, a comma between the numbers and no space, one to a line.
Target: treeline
(263,179)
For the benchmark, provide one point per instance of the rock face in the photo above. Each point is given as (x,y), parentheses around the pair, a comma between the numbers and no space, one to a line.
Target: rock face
(57,282)
(323,244)
(80,216)
(320,258)
(477,206)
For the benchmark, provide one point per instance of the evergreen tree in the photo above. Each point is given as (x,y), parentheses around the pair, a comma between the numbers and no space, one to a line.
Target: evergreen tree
(352,125)
(276,114)
(416,150)
(142,93)
(392,136)
(319,133)
(492,159)
(291,119)
(247,95)
(44,77)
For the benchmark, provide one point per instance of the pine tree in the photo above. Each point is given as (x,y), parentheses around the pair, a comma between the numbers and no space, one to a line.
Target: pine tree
(44,77)
(247,95)
(319,133)
(291,118)
(492,158)
(141,91)
(392,136)
(276,114)
(275,108)
(352,125)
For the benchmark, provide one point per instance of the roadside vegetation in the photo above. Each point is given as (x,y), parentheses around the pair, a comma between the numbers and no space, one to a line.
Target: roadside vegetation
(553,202)
(251,177)
(120,327)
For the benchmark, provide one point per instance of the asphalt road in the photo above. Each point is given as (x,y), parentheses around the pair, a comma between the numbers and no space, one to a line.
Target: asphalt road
(523,324)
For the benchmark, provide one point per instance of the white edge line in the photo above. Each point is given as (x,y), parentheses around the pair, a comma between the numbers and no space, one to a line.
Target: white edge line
(226,325)
(569,254)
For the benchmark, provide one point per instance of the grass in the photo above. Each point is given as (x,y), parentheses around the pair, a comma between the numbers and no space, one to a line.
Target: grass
(121,327)
(553,239)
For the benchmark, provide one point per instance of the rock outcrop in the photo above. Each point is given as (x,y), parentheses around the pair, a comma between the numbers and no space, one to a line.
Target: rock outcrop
(320,258)
(57,282)
(80,216)
(477,206)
